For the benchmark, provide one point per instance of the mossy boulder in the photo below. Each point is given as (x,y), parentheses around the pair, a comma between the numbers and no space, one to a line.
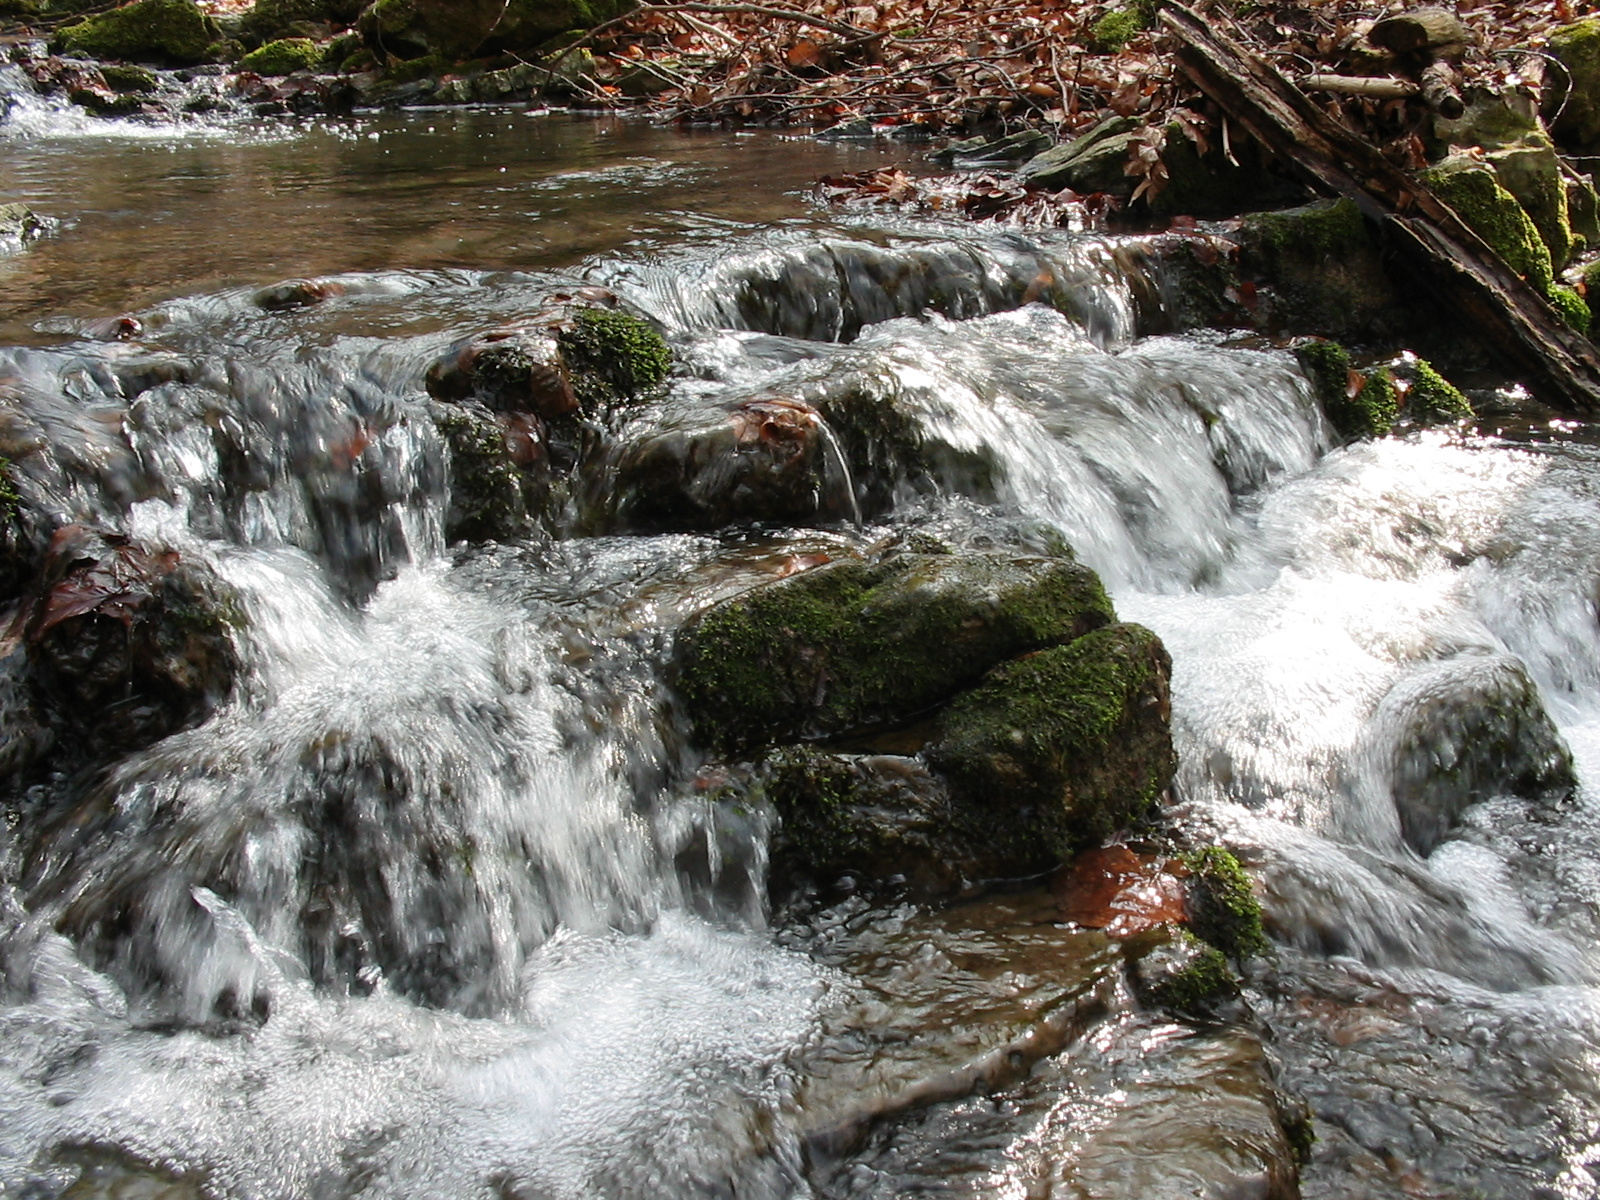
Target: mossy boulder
(1574,111)
(1181,972)
(1074,738)
(1223,908)
(1319,271)
(1208,184)
(875,819)
(1531,171)
(609,348)
(1574,309)
(1474,191)
(1431,399)
(528,24)
(1356,405)
(493,496)
(855,645)
(129,79)
(174,32)
(269,20)
(283,57)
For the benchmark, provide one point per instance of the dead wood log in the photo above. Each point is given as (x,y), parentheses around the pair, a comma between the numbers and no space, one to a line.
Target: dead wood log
(1440,88)
(1514,320)
(1360,85)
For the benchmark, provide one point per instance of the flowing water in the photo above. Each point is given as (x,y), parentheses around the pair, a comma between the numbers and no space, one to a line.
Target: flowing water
(428,906)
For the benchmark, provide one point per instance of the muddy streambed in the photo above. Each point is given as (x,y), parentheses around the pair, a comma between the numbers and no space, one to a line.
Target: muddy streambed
(429,904)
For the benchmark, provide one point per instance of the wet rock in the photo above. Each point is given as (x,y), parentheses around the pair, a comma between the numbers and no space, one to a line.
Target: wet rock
(19,224)
(1356,405)
(175,32)
(499,477)
(872,819)
(984,153)
(1430,398)
(512,369)
(127,643)
(1069,744)
(1583,206)
(1318,271)
(1223,909)
(1086,160)
(121,77)
(528,24)
(409,29)
(769,459)
(1472,188)
(297,293)
(1574,110)
(1462,732)
(855,644)
(568,357)
(282,57)
(1204,182)
(1181,972)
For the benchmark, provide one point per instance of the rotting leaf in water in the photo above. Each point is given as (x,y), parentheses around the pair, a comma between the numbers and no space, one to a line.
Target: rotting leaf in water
(1121,892)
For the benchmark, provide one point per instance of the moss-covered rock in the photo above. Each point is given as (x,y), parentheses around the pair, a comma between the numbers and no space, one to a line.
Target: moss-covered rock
(283,57)
(1574,111)
(1180,972)
(615,349)
(1209,184)
(876,819)
(1319,271)
(166,31)
(528,24)
(269,20)
(493,497)
(1531,171)
(1474,191)
(1223,908)
(1075,736)
(123,78)
(1115,29)
(1583,208)
(1357,406)
(1574,309)
(1432,399)
(854,644)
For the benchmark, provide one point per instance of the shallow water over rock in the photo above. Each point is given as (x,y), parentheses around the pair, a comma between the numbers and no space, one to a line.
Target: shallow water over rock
(431,899)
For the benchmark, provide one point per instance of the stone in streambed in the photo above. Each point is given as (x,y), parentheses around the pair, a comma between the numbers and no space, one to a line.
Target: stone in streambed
(1474,190)
(269,20)
(20,224)
(175,32)
(769,459)
(1318,271)
(855,645)
(1085,160)
(282,57)
(1068,745)
(1463,731)
(1574,109)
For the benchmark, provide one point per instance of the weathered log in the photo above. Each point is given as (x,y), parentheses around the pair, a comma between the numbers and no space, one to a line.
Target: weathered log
(1361,85)
(1421,29)
(1440,88)
(1511,317)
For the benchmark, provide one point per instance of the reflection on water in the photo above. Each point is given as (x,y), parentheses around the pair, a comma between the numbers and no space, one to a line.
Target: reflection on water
(147,220)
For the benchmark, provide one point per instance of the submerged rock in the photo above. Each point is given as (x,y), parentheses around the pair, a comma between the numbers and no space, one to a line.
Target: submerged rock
(1066,745)
(1462,732)
(499,477)
(127,643)
(769,459)
(854,645)
(20,224)
(167,31)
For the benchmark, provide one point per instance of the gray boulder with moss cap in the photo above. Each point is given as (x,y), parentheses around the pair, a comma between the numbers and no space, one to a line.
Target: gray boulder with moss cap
(1070,744)
(167,31)
(856,645)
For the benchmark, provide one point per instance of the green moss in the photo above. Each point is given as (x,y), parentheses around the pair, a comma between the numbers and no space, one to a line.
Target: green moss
(1494,214)
(283,57)
(1573,308)
(1433,399)
(1371,412)
(1299,1130)
(1223,907)
(1116,29)
(269,20)
(1199,985)
(128,79)
(617,348)
(1076,732)
(854,644)
(1312,231)
(490,497)
(172,31)
(1574,110)
(10,498)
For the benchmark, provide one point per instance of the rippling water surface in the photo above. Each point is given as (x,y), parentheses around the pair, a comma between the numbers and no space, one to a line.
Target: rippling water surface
(407,915)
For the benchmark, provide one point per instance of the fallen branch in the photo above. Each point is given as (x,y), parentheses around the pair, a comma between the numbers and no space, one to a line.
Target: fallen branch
(1360,85)
(1511,317)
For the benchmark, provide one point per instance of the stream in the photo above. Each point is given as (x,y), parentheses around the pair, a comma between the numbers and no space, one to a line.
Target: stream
(429,906)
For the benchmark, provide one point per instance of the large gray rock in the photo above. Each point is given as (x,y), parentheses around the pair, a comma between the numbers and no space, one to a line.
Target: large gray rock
(1092,162)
